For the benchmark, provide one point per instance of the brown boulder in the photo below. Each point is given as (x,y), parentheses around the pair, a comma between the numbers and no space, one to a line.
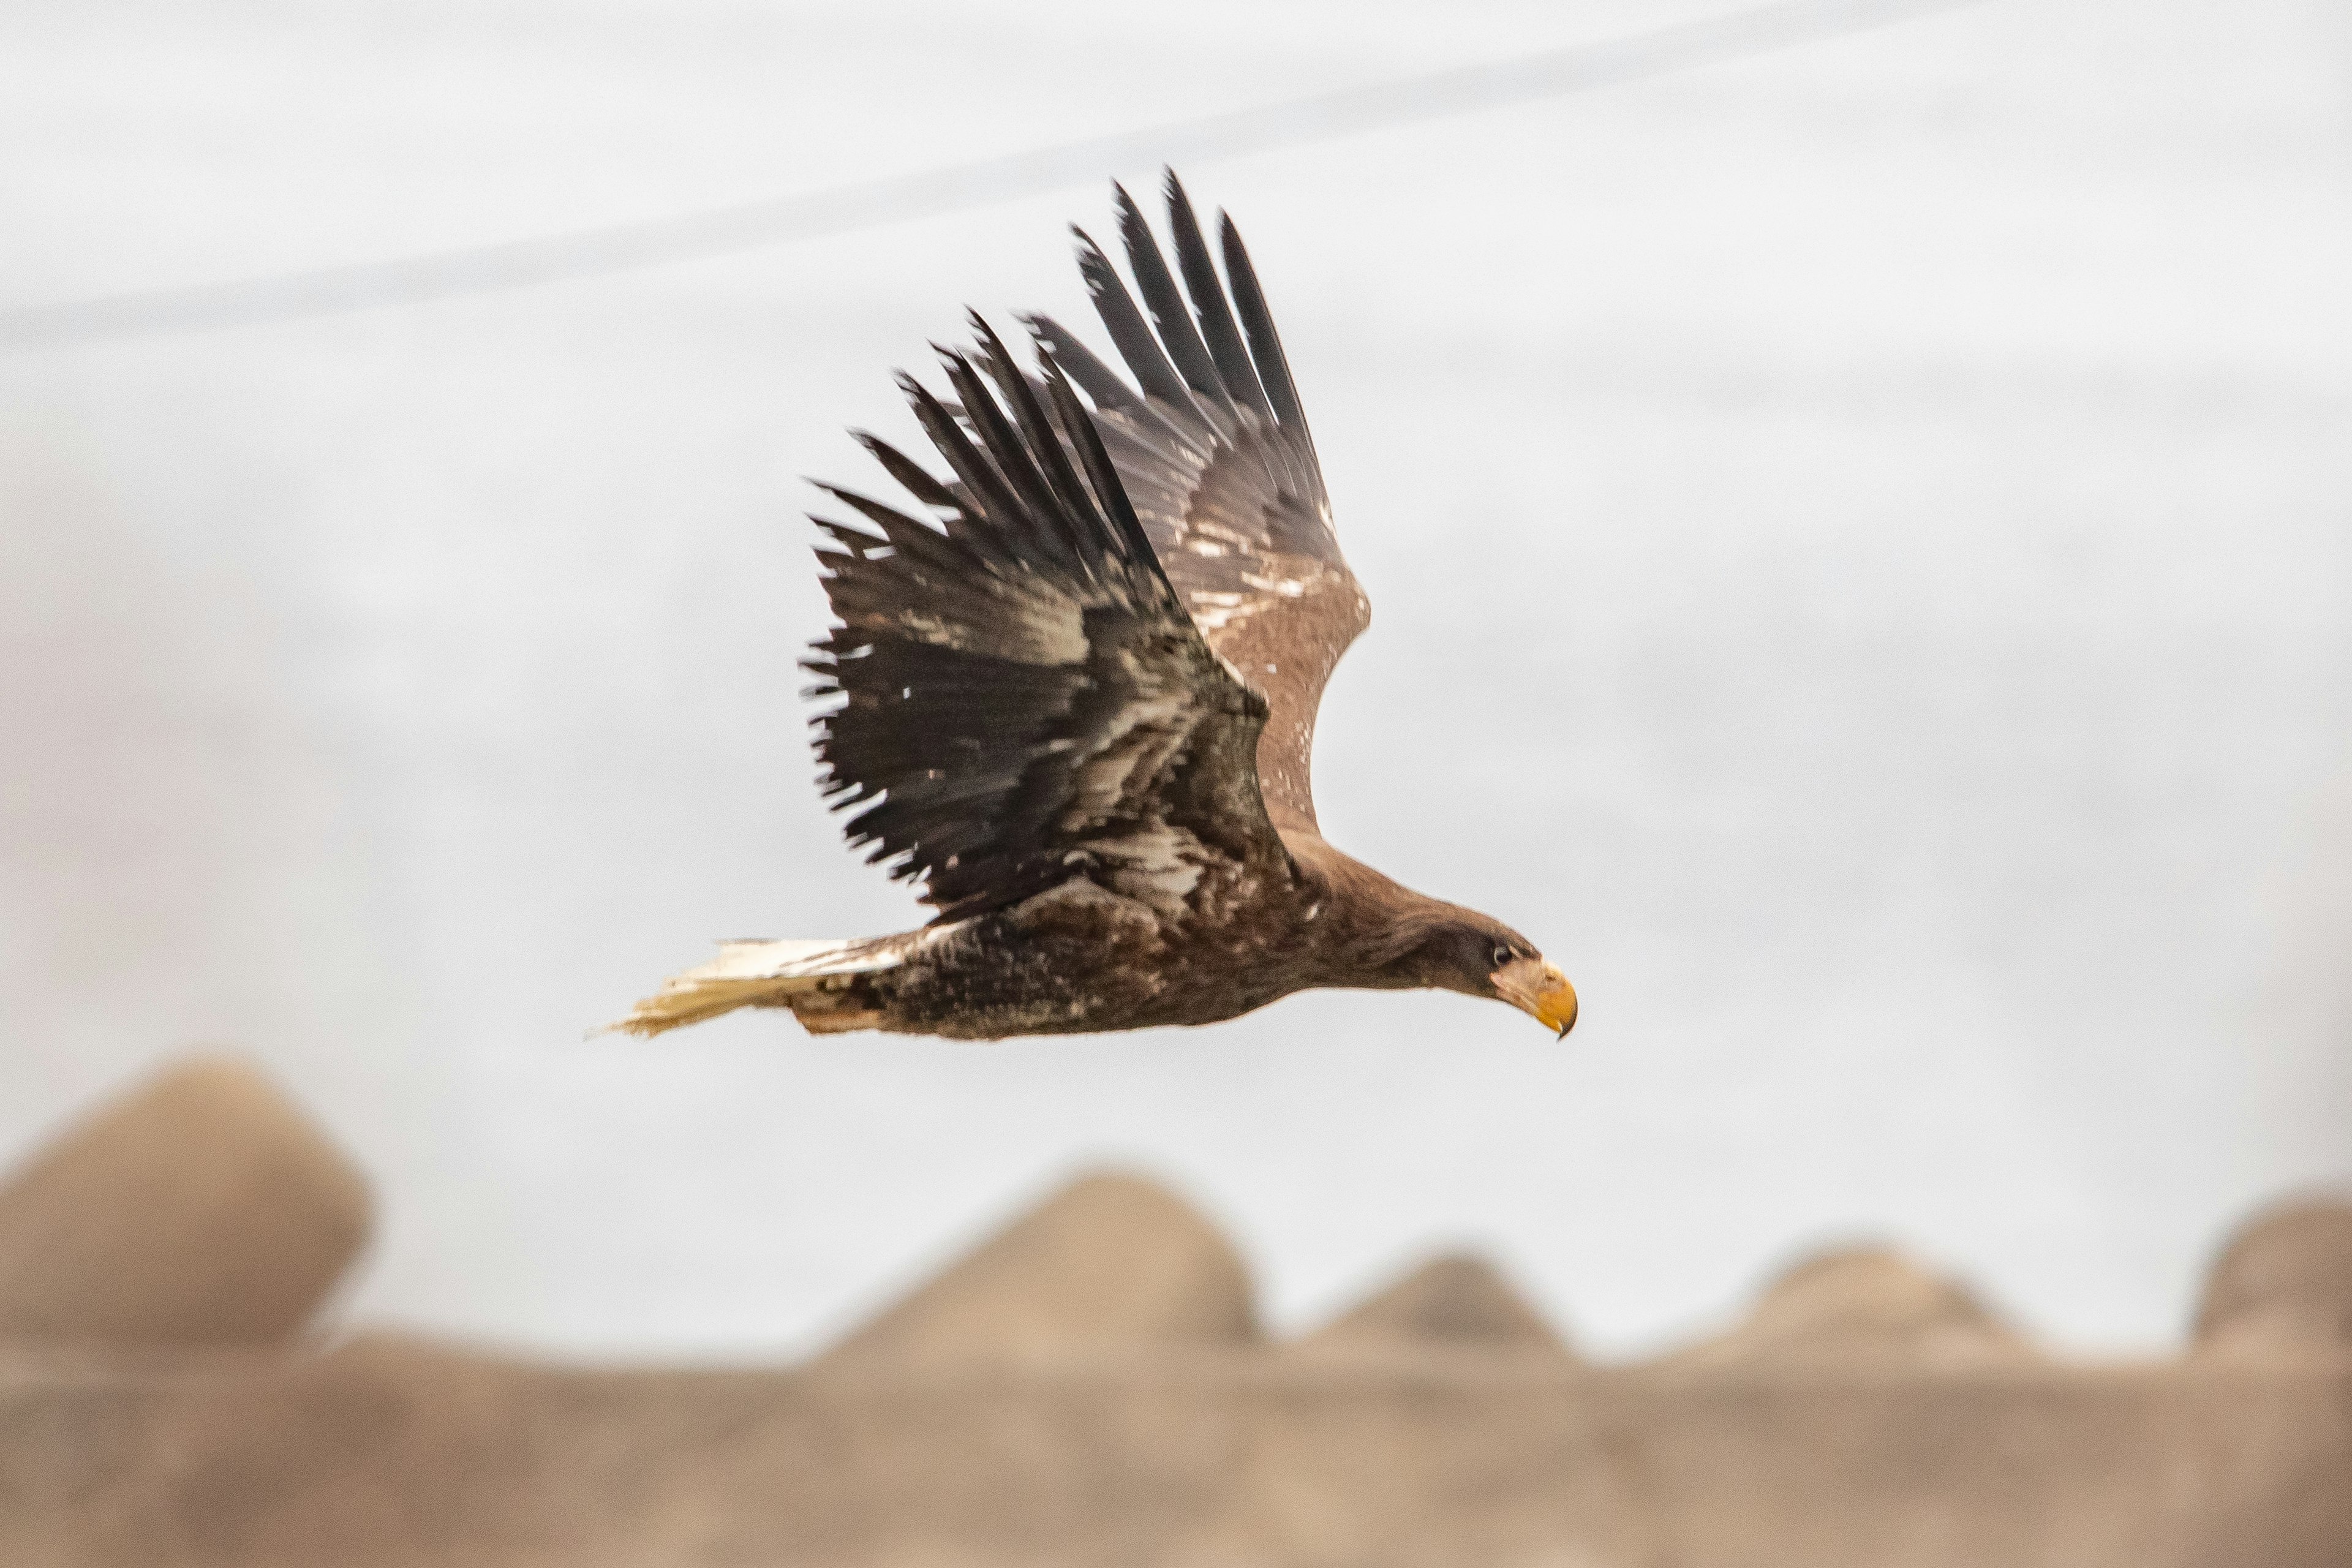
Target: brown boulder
(200,1209)
(1866,1303)
(2284,1281)
(1109,1262)
(1455,1300)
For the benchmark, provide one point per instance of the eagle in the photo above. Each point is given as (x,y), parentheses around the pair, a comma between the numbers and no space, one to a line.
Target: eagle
(1075,702)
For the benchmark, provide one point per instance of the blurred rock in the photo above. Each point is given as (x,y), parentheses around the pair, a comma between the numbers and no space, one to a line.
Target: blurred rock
(397,1454)
(202,1209)
(1451,1301)
(1109,1262)
(1867,1303)
(1140,1424)
(2285,1281)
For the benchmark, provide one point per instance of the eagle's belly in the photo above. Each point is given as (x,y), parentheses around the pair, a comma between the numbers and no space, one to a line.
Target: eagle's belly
(1079,959)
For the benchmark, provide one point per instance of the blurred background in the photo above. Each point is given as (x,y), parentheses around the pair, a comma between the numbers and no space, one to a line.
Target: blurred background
(1861,545)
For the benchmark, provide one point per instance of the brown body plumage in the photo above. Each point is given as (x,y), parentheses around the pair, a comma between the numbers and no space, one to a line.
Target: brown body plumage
(1080,707)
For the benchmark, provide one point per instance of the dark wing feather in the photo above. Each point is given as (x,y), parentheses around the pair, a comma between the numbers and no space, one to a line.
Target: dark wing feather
(1265,346)
(1170,318)
(1212,447)
(1217,328)
(1024,699)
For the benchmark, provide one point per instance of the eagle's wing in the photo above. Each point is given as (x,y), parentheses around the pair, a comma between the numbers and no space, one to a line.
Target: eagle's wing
(1215,451)
(1023,690)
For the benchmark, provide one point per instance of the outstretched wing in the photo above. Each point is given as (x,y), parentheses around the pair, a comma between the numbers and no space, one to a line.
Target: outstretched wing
(1025,700)
(1214,449)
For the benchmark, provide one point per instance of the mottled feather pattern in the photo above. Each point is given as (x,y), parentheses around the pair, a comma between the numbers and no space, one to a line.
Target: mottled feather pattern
(1214,451)
(1023,699)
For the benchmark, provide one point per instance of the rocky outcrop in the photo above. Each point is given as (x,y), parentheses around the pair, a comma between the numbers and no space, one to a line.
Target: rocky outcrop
(2282,1284)
(1088,1387)
(1110,1262)
(203,1209)
(1453,1301)
(1864,1304)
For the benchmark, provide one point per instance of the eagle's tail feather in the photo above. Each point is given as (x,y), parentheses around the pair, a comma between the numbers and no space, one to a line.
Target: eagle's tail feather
(813,978)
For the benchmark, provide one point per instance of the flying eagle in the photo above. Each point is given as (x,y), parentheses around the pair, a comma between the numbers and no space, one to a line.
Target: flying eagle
(1078,706)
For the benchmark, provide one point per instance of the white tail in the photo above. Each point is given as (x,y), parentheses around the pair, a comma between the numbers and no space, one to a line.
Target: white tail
(771,974)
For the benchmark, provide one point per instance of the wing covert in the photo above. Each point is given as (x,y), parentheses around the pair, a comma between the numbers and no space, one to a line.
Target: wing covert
(1024,697)
(1212,448)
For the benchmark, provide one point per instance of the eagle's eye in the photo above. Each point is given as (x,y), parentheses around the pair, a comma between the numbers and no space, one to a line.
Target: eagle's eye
(1502,955)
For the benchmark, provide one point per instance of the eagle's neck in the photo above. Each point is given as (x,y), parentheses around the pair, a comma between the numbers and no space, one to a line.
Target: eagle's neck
(1364,921)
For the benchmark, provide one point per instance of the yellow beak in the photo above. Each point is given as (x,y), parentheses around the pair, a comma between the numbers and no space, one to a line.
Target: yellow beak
(1538,990)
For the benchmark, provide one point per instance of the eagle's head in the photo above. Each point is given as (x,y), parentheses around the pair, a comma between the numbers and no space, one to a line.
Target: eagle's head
(1467,952)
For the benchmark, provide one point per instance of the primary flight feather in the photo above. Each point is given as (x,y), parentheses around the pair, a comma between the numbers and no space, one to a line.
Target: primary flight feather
(1077,700)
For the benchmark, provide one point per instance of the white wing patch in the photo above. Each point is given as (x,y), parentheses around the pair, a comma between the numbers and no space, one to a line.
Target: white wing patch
(1159,865)
(1044,628)
(1142,739)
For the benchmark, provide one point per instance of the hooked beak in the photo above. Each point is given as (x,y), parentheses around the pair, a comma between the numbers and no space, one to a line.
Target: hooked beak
(1538,990)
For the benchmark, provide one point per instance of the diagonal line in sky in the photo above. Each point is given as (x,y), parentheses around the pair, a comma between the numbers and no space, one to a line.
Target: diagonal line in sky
(625,247)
